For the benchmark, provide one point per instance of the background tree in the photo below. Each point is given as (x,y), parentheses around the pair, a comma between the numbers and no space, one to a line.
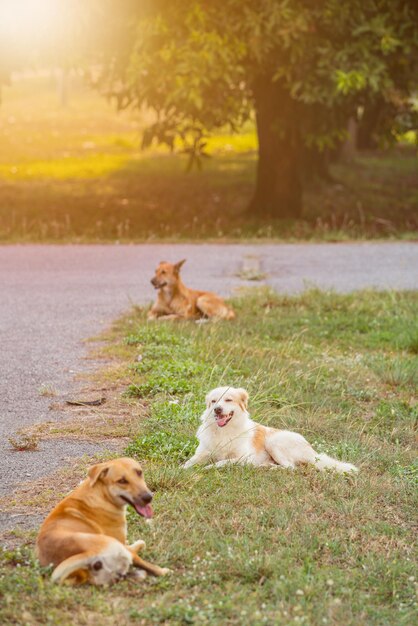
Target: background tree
(304,66)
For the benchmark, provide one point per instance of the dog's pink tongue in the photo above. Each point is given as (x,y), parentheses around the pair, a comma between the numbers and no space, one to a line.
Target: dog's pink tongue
(221,421)
(145,511)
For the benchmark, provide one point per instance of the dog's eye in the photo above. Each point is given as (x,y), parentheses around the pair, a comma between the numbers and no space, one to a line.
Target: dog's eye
(212,401)
(122,481)
(139,472)
(228,400)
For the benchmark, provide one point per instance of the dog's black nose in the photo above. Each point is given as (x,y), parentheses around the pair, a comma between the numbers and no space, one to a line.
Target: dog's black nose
(218,410)
(147,497)
(153,281)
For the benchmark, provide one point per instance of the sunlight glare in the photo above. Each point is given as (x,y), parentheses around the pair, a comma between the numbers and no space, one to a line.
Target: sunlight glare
(25,22)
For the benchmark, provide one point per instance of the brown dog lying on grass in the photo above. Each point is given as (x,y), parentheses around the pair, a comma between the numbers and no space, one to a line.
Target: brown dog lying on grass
(84,537)
(176,301)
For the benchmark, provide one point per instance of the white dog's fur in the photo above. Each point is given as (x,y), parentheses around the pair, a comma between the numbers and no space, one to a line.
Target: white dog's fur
(228,435)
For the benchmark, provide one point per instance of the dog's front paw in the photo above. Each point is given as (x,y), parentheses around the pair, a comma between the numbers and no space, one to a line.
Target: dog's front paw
(138,545)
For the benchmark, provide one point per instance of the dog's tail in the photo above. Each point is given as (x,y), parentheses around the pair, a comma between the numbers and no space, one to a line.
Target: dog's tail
(76,566)
(323,462)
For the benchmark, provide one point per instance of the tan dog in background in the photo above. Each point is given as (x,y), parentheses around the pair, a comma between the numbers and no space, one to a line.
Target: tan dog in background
(176,301)
(84,537)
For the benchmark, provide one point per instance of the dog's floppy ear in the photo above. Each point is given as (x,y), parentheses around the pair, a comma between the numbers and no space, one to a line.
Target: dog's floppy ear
(243,398)
(178,265)
(97,472)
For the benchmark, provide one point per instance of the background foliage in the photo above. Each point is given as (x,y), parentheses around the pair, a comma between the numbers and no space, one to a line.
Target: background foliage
(305,67)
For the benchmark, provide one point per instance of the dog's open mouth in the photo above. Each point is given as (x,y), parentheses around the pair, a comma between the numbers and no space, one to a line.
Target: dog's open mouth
(222,419)
(142,509)
(158,285)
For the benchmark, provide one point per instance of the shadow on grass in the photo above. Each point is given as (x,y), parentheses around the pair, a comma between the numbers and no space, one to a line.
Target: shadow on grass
(144,197)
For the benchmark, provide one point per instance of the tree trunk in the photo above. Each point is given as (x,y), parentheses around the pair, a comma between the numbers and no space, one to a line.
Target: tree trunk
(350,146)
(369,123)
(278,191)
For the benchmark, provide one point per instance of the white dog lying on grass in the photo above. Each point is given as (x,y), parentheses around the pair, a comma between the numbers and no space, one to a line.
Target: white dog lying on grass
(228,435)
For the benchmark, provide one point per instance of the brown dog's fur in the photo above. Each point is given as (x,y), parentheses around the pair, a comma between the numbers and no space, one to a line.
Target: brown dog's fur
(84,536)
(176,301)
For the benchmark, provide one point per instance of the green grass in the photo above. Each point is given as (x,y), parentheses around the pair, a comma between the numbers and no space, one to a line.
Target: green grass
(78,174)
(250,546)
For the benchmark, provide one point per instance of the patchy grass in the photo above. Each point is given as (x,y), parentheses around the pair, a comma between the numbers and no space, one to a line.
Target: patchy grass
(250,546)
(397,372)
(163,445)
(24,442)
(78,174)
(115,421)
(410,341)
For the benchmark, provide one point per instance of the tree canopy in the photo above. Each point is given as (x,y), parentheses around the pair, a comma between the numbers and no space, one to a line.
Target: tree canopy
(304,66)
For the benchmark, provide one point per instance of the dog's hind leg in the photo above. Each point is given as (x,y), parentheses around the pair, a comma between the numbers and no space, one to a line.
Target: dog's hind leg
(155,570)
(289,449)
(75,568)
(215,308)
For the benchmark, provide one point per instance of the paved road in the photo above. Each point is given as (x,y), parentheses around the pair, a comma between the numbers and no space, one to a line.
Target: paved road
(53,297)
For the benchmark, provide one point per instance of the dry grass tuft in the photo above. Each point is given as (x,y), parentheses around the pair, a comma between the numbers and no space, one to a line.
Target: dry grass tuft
(24,442)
